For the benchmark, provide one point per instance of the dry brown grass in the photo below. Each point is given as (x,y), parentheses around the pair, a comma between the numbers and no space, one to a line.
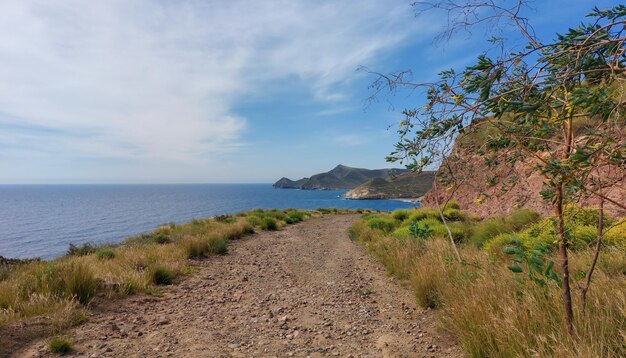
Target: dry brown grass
(61,289)
(493,315)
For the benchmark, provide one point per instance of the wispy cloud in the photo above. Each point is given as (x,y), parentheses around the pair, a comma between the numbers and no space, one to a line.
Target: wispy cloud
(157,80)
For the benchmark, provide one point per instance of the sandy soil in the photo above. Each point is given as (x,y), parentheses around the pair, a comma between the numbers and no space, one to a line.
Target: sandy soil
(304,291)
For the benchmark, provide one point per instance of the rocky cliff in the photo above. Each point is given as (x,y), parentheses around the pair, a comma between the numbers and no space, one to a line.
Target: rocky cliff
(407,186)
(500,187)
(340,177)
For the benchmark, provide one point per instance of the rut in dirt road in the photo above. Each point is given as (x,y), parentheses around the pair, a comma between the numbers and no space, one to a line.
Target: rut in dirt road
(304,291)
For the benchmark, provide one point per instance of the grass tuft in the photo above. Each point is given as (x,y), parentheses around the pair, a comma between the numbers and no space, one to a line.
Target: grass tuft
(163,276)
(60,345)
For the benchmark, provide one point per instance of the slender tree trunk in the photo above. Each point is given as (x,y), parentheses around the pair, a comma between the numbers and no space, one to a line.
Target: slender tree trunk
(564,262)
(594,260)
(445,222)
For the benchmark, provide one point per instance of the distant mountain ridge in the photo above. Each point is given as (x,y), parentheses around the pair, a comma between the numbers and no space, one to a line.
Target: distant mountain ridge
(404,186)
(340,177)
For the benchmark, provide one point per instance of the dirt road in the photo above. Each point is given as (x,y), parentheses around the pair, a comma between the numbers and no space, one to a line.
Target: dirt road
(304,291)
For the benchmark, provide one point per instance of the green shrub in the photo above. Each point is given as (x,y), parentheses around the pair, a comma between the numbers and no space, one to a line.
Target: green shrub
(453,215)
(217,245)
(59,345)
(105,253)
(402,233)
(382,223)
(160,237)
(615,236)
(163,276)
(487,230)
(296,215)
(522,218)
(268,223)
(80,282)
(227,219)
(400,214)
(254,220)
(82,250)
(420,214)
(452,205)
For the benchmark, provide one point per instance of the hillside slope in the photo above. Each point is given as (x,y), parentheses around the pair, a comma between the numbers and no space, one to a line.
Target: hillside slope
(407,185)
(340,177)
(501,187)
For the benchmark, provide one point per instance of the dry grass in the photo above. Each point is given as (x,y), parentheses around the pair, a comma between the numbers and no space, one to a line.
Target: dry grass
(63,288)
(493,315)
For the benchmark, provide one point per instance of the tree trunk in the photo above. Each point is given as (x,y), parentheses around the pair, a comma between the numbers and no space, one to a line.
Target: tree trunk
(564,262)
(594,260)
(445,222)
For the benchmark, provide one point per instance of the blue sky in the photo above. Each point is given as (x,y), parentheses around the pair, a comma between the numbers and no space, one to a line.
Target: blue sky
(214,91)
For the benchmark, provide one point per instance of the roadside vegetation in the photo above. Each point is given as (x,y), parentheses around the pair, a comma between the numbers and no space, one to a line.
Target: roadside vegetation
(504,298)
(61,290)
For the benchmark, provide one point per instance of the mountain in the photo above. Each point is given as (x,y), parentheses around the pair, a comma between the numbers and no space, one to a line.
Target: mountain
(407,185)
(286,183)
(340,177)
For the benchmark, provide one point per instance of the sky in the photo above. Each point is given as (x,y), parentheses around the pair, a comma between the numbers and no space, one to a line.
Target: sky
(191,91)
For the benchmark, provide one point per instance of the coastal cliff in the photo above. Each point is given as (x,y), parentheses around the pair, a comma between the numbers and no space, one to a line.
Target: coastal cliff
(407,185)
(340,177)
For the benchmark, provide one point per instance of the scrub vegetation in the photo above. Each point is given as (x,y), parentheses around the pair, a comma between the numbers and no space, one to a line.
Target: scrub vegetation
(61,290)
(504,298)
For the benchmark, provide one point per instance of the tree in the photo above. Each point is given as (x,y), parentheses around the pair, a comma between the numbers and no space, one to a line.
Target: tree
(556,104)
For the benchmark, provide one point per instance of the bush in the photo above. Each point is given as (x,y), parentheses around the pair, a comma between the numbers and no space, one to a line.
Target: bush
(420,214)
(382,223)
(217,245)
(237,231)
(227,219)
(452,205)
(268,223)
(160,237)
(522,218)
(254,220)
(105,253)
(85,249)
(453,215)
(400,214)
(80,282)
(163,276)
(487,230)
(58,345)
(402,233)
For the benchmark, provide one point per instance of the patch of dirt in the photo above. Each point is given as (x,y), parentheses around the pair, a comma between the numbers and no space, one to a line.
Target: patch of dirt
(304,291)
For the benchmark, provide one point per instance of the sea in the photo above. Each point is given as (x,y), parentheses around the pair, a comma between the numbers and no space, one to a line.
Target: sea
(42,220)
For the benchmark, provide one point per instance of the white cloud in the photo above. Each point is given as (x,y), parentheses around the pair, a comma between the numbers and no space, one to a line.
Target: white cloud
(158,80)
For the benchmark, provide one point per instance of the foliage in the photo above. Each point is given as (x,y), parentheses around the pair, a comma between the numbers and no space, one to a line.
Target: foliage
(557,105)
(384,224)
(163,276)
(269,223)
(84,249)
(538,268)
(60,345)
(105,253)
(79,282)
(493,315)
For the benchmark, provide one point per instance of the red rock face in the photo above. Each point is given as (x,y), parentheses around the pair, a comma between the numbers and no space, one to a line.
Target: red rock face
(515,186)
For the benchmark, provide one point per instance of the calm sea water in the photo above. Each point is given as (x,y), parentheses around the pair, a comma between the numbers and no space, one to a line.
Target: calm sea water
(42,220)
